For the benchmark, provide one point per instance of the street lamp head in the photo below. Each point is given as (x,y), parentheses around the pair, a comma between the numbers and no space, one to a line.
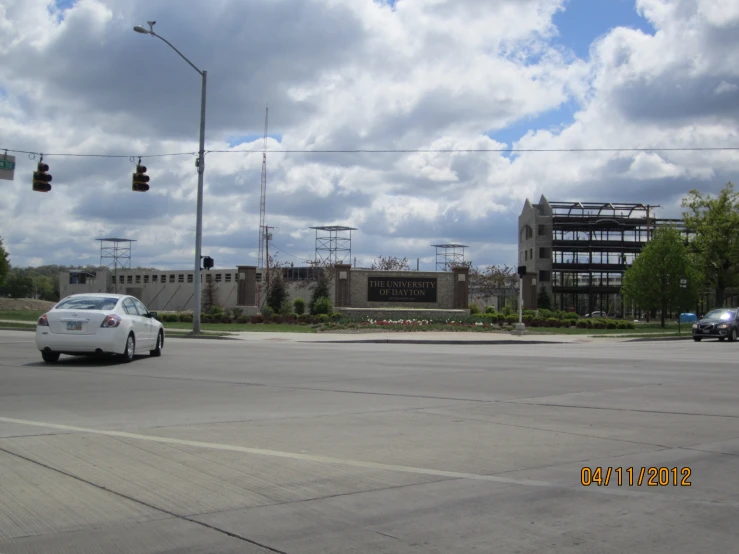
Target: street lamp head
(140,29)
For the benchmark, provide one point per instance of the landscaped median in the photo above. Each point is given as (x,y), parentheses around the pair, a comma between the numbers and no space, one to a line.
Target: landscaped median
(224,322)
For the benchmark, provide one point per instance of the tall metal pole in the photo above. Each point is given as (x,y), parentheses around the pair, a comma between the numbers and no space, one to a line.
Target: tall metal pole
(199,217)
(201,170)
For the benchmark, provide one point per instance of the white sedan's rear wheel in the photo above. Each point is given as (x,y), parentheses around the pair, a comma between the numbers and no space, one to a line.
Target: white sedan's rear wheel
(130,348)
(50,357)
(160,345)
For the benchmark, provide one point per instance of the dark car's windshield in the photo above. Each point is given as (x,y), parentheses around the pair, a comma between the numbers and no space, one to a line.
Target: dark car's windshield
(720,314)
(87,303)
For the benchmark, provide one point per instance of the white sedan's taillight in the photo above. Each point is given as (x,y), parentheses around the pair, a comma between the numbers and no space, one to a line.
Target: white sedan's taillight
(111,321)
(43,321)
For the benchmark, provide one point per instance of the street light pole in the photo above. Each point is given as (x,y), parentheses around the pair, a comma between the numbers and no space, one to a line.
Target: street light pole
(200,163)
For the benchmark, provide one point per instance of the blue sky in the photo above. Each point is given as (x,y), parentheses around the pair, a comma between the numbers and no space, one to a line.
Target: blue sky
(579,25)
(583,21)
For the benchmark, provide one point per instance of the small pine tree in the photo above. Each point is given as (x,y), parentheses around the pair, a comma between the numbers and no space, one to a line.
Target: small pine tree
(277,292)
(543,302)
(210,294)
(321,290)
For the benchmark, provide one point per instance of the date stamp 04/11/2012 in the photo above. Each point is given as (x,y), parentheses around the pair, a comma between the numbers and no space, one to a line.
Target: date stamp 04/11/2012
(636,476)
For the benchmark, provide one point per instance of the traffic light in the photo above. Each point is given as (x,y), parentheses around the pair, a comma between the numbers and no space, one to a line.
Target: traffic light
(140,179)
(521,271)
(41,178)
(208,262)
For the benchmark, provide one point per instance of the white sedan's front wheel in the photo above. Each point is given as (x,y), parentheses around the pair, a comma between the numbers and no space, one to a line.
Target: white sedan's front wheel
(130,348)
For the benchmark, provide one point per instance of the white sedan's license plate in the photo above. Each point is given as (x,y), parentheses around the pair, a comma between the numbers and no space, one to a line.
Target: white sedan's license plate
(74,326)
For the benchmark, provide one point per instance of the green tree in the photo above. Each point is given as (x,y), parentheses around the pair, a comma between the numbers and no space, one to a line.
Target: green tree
(4,263)
(277,291)
(321,289)
(714,223)
(653,282)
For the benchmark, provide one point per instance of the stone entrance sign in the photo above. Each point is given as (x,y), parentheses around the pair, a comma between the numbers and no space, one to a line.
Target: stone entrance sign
(401,289)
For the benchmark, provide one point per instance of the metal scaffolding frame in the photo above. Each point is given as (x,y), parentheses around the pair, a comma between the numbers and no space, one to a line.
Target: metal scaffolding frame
(593,243)
(334,247)
(116,256)
(447,254)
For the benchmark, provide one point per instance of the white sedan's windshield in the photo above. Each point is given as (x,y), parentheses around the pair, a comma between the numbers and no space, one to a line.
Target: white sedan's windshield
(87,303)
(720,314)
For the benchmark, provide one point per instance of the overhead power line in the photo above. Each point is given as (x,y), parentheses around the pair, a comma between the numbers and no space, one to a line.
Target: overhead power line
(133,157)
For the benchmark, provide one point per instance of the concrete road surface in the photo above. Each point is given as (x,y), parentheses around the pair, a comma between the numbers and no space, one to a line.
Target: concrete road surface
(302,448)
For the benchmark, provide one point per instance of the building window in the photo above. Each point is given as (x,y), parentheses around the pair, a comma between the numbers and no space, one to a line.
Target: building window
(531,253)
(171,278)
(526,256)
(154,278)
(544,276)
(146,278)
(544,253)
(181,278)
(228,277)
(219,277)
(542,230)
(138,279)
(130,279)
(207,277)
(189,277)
(121,279)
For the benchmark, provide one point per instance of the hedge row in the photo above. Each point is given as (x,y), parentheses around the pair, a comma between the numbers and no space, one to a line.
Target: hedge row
(232,318)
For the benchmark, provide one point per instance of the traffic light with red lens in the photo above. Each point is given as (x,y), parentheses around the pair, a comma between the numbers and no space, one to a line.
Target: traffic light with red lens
(41,178)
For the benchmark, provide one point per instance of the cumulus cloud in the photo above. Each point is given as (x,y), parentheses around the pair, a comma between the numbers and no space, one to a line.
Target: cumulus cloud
(349,75)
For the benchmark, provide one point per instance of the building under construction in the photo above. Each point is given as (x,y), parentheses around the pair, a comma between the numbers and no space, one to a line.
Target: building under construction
(578,251)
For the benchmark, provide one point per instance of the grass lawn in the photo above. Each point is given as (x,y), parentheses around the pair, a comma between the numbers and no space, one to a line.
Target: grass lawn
(21,315)
(245,327)
(639,331)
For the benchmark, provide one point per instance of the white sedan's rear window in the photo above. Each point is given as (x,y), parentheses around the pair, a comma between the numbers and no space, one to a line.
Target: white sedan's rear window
(87,303)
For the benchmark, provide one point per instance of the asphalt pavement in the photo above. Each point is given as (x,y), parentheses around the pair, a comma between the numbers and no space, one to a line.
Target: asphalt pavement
(301,446)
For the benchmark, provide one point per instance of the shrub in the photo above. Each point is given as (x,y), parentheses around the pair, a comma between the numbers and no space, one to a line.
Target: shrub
(257,319)
(216,310)
(303,318)
(507,310)
(206,318)
(321,290)
(242,319)
(570,315)
(529,313)
(336,316)
(323,306)
(582,324)
(547,314)
(323,318)
(185,318)
(610,324)
(299,305)
(553,322)
(225,318)
(277,318)
(511,319)
(286,308)
(490,310)
(474,309)
(268,312)
(237,312)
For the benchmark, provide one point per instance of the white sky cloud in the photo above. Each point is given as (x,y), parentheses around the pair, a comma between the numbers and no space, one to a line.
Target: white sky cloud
(350,74)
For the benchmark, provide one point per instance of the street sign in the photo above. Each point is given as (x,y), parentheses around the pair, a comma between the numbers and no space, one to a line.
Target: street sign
(683,283)
(7,167)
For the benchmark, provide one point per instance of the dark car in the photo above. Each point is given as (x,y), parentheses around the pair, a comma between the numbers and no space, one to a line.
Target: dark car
(717,324)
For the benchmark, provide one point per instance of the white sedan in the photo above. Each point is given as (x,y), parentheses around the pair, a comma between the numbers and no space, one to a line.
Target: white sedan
(96,323)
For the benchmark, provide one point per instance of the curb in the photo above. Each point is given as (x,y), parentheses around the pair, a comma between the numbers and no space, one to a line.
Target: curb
(653,339)
(432,341)
(178,336)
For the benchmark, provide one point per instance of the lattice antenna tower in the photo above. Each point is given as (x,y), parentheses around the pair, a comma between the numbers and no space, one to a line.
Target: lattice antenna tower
(263,199)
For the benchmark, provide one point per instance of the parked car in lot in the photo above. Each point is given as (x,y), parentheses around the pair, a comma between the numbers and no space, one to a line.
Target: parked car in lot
(597,314)
(86,324)
(721,323)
